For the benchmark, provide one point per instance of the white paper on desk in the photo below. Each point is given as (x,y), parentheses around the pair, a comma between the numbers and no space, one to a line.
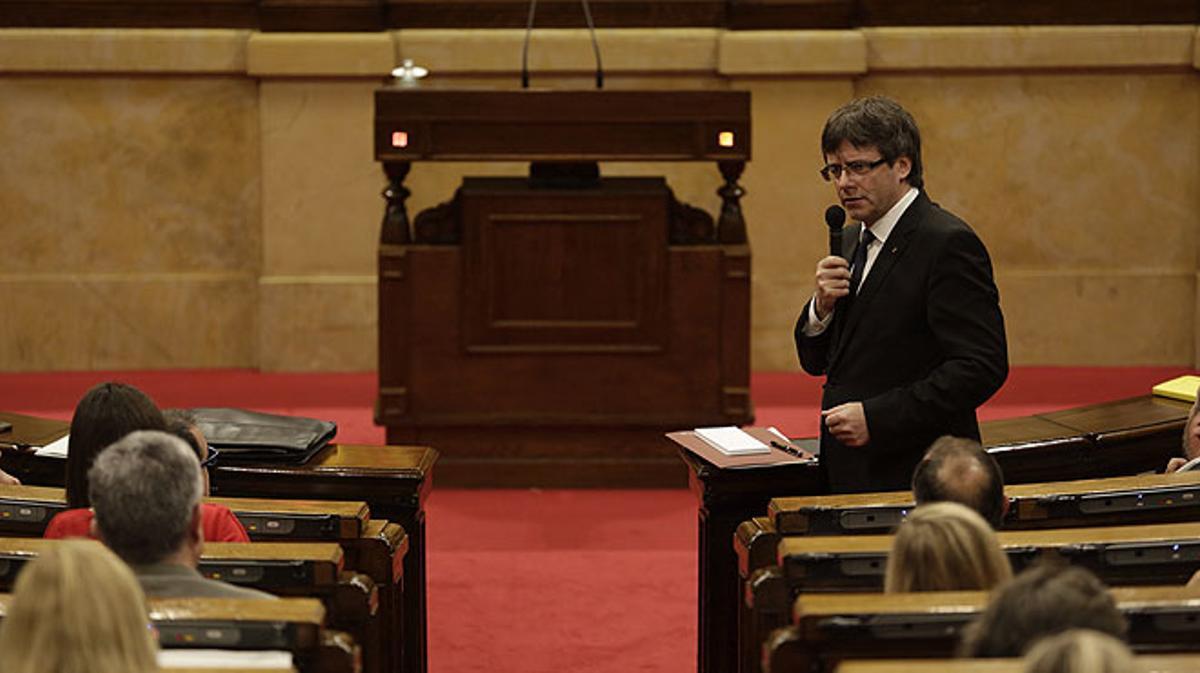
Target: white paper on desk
(732,441)
(55,449)
(239,659)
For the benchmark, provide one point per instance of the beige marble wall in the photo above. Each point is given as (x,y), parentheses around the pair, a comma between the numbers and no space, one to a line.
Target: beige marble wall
(209,198)
(129,210)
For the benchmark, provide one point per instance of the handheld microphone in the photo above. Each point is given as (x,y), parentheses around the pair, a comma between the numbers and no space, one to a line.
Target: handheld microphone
(835,217)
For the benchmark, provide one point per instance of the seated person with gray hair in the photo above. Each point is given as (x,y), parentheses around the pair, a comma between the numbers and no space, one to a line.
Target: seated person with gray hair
(145,490)
(960,470)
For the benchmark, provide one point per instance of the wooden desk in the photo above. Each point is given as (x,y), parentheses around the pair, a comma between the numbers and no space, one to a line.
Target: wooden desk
(1150,663)
(394,481)
(1033,449)
(1148,498)
(1119,555)
(272,519)
(828,628)
(289,624)
(1128,436)
(27,510)
(296,568)
(379,552)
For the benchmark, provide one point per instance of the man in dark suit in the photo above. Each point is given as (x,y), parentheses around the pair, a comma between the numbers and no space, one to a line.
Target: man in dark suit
(909,334)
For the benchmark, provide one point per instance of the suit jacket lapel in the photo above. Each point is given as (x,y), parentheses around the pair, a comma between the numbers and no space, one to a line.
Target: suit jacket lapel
(892,250)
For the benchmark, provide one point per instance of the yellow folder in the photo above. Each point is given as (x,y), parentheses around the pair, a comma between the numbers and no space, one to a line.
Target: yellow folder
(1180,388)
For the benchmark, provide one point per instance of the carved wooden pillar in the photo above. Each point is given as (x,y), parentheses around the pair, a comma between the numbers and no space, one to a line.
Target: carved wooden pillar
(731,228)
(394,229)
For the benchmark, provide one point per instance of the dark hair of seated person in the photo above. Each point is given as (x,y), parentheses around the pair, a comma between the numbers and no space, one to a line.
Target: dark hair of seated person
(956,469)
(106,413)
(180,423)
(1045,600)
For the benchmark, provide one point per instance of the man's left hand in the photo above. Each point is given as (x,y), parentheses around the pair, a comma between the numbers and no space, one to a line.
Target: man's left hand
(848,423)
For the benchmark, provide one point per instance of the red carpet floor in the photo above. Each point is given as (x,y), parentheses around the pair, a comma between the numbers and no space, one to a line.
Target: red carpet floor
(538,581)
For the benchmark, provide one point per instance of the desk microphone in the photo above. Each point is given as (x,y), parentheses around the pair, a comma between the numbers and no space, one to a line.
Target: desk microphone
(835,217)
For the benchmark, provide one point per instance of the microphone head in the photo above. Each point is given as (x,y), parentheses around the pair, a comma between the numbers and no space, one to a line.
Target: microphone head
(835,217)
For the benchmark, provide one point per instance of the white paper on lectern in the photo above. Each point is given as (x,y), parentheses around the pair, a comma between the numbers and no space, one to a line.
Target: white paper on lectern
(55,449)
(732,440)
(240,659)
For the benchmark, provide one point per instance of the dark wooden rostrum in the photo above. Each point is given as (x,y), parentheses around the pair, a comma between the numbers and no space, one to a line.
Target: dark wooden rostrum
(1101,440)
(546,331)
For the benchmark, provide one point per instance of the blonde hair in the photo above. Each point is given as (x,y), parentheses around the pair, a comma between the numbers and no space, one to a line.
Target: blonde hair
(77,608)
(945,546)
(1080,651)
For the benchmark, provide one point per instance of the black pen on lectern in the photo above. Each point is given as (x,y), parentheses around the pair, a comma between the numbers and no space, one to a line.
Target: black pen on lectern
(785,448)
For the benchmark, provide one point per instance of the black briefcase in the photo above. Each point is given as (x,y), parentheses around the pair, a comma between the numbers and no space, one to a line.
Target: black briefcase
(253,437)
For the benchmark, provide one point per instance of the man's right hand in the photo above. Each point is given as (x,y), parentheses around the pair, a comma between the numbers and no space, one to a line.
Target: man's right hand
(833,283)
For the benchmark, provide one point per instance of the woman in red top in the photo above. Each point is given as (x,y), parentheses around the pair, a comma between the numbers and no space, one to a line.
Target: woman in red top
(107,413)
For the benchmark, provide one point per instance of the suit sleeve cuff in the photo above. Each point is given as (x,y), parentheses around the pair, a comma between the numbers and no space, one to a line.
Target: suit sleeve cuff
(814,326)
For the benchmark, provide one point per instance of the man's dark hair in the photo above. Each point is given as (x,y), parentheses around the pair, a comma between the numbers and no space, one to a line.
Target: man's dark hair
(145,489)
(106,413)
(961,470)
(877,122)
(180,423)
(1045,600)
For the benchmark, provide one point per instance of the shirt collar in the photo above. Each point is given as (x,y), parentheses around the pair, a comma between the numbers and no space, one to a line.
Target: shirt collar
(884,225)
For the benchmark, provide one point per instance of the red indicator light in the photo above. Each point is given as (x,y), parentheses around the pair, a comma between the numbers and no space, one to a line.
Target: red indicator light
(725,138)
(399,139)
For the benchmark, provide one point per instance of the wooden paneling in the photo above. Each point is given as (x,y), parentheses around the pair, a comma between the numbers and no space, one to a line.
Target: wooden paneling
(553,13)
(1023,12)
(130,13)
(564,271)
(374,15)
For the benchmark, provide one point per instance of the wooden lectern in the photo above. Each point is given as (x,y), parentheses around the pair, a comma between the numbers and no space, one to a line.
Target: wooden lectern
(548,330)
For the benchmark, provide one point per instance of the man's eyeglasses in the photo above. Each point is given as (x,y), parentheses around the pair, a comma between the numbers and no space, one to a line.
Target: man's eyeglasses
(832,172)
(213,455)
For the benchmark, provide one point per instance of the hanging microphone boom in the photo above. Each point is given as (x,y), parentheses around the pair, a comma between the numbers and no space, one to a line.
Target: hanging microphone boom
(835,218)
(525,46)
(587,15)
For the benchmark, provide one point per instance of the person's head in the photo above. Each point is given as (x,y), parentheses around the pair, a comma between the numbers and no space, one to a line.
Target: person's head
(1080,651)
(872,152)
(182,424)
(106,413)
(960,470)
(945,546)
(77,608)
(146,494)
(1191,431)
(1043,601)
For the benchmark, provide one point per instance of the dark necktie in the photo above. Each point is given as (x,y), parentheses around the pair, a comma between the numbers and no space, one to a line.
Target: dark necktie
(860,261)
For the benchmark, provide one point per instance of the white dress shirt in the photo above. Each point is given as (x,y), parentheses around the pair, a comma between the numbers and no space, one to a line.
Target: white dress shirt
(881,229)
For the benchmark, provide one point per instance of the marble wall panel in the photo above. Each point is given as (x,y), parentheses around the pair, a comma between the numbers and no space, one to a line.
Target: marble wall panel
(784,207)
(127,321)
(112,174)
(315,323)
(1099,318)
(1064,170)
(321,203)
